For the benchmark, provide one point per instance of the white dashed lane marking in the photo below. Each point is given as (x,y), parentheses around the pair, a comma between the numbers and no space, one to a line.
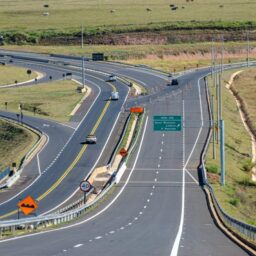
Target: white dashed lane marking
(78,245)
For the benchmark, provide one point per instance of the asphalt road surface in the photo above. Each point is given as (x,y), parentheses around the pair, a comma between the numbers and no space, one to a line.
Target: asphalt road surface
(159,208)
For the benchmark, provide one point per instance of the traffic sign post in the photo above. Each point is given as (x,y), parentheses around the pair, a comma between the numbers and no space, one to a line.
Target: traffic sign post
(167,123)
(85,186)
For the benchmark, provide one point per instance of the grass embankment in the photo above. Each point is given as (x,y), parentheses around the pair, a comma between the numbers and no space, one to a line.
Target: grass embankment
(170,58)
(9,74)
(245,85)
(120,16)
(237,197)
(54,100)
(15,142)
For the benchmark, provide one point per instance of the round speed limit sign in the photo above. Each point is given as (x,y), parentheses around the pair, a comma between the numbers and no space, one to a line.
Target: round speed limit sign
(85,186)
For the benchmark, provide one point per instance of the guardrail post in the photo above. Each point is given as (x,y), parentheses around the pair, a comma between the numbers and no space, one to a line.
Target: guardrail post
(13,230)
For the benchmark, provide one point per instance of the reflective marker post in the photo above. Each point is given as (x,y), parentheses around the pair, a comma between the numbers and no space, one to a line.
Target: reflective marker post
(222,152)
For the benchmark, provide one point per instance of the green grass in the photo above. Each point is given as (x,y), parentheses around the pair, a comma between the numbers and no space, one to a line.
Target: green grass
(237,197)
(15,143)
(67,14)
(54,100)
(10,74)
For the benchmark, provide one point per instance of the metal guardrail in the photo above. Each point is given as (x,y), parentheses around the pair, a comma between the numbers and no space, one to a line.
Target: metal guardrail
(237,226)
(5,173)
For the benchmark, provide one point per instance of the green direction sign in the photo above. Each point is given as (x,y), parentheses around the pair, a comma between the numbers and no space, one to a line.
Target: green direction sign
(167,123)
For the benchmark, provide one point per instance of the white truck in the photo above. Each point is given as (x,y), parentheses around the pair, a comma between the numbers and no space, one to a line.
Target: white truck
(114,96)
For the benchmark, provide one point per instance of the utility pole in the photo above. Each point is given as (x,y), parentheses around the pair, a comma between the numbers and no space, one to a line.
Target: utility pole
(212,59)
(222,152)
(248,47)
(220,97)
(213,128)
(222,53)
(82,36)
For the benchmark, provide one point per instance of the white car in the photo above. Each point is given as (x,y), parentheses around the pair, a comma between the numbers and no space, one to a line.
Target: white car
(114,95)
(91,139)
(112,78)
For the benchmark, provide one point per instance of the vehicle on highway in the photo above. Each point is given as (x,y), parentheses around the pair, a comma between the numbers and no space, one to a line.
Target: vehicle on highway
(91,139)
(114,95)
(173,82)
(112,78)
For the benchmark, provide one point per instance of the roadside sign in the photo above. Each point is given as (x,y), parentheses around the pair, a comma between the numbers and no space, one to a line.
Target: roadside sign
(167,123)
(138,110)
(85,186)
(123,152)
(28,205)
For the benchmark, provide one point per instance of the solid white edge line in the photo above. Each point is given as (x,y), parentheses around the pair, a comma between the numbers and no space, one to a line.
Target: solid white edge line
(69,197)
(98,213)
(175,248)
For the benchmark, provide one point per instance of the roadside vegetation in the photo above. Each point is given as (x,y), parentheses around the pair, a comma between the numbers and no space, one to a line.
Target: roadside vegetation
(15,142)
(170,58)
(27,20)
(54,100)
(237,197)
(10,74)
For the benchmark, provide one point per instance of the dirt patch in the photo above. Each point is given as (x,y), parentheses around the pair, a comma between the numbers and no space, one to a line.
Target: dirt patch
(156,37)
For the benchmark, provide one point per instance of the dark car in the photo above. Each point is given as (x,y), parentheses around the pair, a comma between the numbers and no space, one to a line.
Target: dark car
(173,82)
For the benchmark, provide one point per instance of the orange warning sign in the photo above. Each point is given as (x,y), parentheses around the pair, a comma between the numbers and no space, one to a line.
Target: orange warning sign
(123,152)
(28,205)
(138,110)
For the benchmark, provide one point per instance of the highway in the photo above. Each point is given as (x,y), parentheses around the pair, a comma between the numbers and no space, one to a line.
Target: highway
(159,207)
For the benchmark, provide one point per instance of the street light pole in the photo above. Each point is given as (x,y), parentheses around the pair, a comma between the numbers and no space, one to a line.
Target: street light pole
(222,152)
(83,72)
(248,47)
(82,36)
(213,128)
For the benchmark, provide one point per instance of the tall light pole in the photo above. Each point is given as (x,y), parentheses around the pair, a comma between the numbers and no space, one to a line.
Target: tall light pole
(222,152)
(248,47)
(213,128)
(82,36)
(83,72)
(222,53)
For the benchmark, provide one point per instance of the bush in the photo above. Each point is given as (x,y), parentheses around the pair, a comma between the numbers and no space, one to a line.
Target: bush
(247,165)
(234,201)
(212,168)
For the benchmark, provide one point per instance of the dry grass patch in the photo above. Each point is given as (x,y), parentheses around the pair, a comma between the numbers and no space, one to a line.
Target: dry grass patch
(53,100)
(15,143)
(8,75)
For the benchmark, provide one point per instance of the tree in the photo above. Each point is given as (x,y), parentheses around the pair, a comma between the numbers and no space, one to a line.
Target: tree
(29,72)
